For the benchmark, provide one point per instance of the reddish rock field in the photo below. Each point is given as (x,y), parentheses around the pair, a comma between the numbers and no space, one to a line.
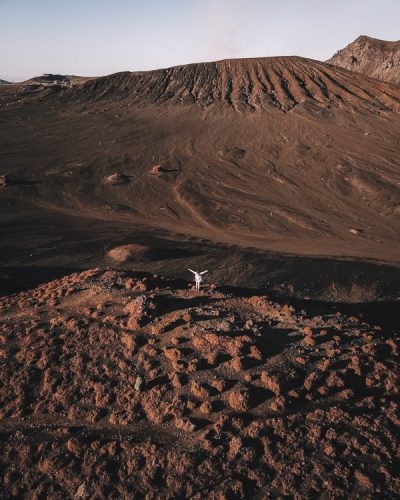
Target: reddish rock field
(115,385)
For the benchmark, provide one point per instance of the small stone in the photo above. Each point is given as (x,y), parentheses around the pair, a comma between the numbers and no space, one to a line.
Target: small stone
(80,492)
(138,383)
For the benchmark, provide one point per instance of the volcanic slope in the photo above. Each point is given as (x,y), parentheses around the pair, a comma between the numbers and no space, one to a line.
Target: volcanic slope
(285,154)
(120,385)
(370,56)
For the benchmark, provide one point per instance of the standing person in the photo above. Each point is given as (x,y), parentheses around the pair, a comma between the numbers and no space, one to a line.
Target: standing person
(198,278)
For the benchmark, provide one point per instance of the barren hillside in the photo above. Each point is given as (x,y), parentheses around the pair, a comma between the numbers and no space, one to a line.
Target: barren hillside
(376,58)
(281,154)
(279,175)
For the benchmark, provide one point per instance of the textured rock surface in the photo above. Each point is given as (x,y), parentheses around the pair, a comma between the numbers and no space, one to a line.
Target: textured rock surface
(93,407)
(377,58)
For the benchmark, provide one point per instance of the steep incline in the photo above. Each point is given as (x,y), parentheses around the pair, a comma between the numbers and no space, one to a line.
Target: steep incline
(377,58)
(247,84)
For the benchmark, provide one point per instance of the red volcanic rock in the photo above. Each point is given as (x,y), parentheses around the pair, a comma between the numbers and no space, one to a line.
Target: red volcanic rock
(271,382)
(80,385)
(239,399)
(238,364)
(172,354)
(129,283)
(334,380)
(199,391)
(179,365)
(364,481)
(176,380)
(310,381)
(287,310)
(255,353)
(133,323)
(128,341)
(278,404)
(307,330)
(137,311)
(206,408)
(235,445)
(219,384)
(185,424)
(309,340)
(394,345)
(193,365)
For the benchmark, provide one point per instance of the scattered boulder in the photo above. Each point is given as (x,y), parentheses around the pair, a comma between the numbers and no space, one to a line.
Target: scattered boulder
(116,179)
(4,180)
(157,169)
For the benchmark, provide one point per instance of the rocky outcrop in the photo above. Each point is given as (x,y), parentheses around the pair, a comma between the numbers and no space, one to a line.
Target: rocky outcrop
(377,58)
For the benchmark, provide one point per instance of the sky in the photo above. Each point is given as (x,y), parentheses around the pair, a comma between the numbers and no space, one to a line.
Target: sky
(99,37)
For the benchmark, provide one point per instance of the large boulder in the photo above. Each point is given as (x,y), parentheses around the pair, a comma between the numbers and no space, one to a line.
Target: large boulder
(116,179)
(4,180)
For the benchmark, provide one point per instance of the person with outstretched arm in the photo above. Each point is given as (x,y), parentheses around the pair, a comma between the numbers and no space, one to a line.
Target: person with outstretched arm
(198,278)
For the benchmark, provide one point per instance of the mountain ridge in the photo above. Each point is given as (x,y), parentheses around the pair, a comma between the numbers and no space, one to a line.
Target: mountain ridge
(249,83)
(371,56)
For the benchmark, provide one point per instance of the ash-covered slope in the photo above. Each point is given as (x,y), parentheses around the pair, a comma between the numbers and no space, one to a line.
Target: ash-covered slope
(370,56)
(285,154)
(250,84)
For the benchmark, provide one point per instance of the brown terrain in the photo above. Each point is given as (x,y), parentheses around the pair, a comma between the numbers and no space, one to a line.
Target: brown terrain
(119,385)
(279,378)
(377,58)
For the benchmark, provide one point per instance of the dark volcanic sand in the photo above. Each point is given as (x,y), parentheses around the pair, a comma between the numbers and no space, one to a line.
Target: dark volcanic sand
(114,386)
(281,154)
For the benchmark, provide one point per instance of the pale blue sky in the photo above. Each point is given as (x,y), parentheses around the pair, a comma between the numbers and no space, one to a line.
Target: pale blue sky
(97,37)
